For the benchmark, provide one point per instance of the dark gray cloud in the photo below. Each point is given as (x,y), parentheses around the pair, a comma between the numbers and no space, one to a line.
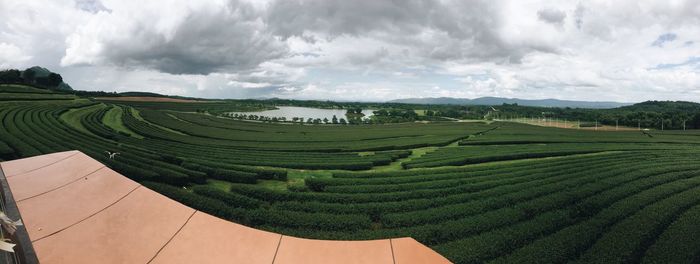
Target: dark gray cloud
(205,40)
(239,36)
(437,30)
(337,17)
(552,16)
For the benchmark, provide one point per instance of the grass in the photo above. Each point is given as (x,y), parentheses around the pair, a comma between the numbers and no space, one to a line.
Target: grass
(294,178)
(135,112)
(14,96)
(73,116)
(16,88)
(221,185)
(396,165)
(113,119)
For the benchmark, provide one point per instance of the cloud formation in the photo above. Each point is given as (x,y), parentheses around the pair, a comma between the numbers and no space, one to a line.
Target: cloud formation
(363,50)
(552,16)
(192,37)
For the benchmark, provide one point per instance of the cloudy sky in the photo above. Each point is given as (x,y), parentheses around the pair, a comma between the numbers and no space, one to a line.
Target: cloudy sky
(368,50)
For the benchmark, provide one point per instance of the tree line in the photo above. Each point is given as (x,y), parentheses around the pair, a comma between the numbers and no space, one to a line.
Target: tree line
(31,77)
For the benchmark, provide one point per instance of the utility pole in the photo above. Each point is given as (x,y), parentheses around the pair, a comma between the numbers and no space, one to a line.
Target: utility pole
(616,125)
(683,125)
(662,125)
(596,124)
(639,124)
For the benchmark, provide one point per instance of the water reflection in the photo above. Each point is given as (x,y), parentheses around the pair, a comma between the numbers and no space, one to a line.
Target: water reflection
(290,112)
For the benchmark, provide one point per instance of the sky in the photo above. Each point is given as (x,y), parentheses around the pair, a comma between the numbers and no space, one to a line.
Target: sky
(363,50)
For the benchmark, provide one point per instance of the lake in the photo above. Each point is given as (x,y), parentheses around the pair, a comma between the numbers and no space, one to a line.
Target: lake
(290,112)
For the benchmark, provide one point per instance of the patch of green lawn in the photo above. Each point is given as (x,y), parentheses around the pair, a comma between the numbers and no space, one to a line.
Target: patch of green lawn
(73,116)
(113,119)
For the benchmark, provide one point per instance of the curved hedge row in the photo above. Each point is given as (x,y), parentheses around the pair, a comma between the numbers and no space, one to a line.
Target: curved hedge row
(556,209)
(679,243)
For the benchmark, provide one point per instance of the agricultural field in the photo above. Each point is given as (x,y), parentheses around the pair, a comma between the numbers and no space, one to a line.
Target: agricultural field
(476,192)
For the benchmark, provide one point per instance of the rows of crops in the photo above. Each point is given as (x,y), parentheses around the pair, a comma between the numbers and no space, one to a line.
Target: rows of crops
(207,151)
(455,156)
(516,133)
(481,213)
(507,193)
(253,135)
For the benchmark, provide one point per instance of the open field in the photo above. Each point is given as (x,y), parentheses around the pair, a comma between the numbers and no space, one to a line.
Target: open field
(498,192)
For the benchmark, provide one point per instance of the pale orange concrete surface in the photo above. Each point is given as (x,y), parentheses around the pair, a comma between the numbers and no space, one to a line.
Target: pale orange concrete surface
(409,251)
(47,178)
(312,251)
(76,210)
(14,167)
(130,231)
(74,202)
(218,241)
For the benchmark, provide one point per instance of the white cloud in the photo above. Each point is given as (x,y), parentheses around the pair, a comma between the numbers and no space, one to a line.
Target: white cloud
(178,37)
(9,53)
(363,50)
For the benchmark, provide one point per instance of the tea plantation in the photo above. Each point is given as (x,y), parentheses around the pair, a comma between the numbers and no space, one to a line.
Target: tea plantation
(476,192)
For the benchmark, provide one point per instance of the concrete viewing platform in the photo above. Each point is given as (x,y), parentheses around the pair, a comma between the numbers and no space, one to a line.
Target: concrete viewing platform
(77,210)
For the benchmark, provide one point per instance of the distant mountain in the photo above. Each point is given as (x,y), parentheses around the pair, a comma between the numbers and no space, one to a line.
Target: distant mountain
(39,72)
(500,101)
(35,76)
(46,78)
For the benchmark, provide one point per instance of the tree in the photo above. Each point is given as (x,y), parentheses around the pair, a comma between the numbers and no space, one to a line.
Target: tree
(325,120)
(334,119)
(381,112)
(54,79)
(29,76)
(695,121)
(10,76)
(430,113)
(343,122)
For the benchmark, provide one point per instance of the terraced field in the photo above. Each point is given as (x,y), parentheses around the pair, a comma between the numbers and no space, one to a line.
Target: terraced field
(475,192)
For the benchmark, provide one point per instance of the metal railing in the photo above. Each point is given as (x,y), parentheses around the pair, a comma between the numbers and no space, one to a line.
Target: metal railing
(24,252)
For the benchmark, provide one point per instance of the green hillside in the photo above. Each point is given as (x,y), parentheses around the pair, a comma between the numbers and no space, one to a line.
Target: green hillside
(497,192)
(35,76)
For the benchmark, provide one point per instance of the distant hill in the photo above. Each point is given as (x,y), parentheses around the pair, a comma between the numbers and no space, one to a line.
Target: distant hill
(38,72)
(500,101)
(663,106)
(142,94)
(35,76)
(43,76)
(150,94)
